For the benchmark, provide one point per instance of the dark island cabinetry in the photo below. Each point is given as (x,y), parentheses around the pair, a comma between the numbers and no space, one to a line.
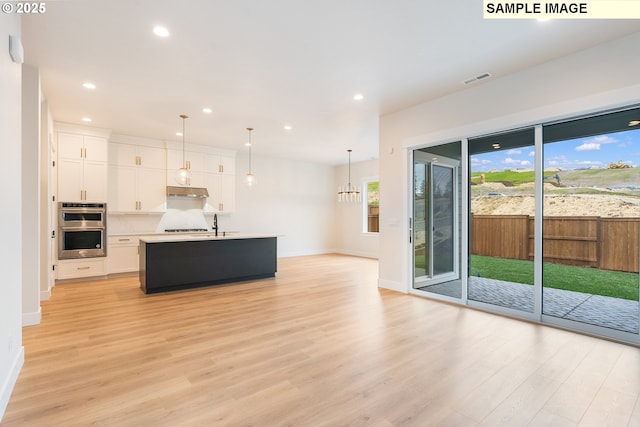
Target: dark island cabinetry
(173,264)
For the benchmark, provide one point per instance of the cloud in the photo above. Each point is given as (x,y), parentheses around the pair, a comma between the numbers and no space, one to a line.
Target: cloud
(532,153)
(514,152)
(510,161)
(588,146)
(476,161)
(603,139)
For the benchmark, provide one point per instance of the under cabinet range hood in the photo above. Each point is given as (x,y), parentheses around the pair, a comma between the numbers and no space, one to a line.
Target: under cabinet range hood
(187,192)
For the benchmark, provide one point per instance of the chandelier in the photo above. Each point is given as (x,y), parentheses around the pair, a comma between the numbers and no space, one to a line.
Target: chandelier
(349,193)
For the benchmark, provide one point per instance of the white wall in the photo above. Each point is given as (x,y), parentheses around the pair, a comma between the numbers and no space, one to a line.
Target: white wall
(292,199)
(350,221)
(11,350)
(598,78)
(30,195)
(47,190)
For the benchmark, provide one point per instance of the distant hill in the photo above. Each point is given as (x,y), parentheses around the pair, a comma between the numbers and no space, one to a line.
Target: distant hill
(600,178)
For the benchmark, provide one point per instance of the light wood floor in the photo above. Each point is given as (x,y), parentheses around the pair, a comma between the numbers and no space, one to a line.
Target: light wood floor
(319,345)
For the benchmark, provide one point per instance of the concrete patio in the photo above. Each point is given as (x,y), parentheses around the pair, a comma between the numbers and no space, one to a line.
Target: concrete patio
(608,312)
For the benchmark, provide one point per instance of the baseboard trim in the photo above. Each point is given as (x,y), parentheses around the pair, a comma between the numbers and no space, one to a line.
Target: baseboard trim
(10,382)
(391,285)
(304,253)
(357,253)
(45,295)
(30,319)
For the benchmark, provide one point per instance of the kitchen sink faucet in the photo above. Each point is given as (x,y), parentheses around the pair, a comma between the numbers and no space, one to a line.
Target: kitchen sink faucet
(215,224)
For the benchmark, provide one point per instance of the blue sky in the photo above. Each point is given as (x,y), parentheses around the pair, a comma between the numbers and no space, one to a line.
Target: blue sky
(581,153)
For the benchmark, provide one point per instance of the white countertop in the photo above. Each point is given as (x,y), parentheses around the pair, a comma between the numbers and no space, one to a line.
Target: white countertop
(202,236)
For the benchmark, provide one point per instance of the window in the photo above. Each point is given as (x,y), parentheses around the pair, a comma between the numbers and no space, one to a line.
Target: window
(371,205)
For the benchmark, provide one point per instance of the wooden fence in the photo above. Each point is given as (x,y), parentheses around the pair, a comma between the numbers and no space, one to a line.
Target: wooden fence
(588,241)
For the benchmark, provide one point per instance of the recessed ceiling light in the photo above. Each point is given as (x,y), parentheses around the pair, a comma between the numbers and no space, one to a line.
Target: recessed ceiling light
(288,127)
(207,110)
(495,146)
(88,85)
(87,119)
(634,123)
(160,31)
(358,97)
(178,133)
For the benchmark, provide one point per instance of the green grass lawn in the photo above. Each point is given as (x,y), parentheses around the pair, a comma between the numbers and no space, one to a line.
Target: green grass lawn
(580,279)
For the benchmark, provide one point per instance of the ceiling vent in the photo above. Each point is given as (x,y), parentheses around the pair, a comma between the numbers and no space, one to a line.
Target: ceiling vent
(477,78)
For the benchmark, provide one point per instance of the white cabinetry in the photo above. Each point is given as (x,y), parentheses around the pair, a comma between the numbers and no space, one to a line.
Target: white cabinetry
(122,254)
(82,168)
(136,178)
(222,195)
(220,182)
(194,161)
(221,164)
(80,268)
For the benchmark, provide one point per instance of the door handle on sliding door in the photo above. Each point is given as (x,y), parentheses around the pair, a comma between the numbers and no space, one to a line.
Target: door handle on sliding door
(410,230)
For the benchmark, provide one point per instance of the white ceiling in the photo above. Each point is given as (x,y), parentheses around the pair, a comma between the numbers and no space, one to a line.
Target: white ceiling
(264,64)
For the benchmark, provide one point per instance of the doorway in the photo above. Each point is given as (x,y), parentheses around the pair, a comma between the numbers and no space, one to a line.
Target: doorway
(436,224)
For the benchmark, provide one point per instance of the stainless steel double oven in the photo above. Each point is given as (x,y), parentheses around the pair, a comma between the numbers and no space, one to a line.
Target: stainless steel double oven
(82,230)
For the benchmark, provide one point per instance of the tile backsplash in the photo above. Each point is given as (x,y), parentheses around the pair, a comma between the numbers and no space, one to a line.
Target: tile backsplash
(181,212)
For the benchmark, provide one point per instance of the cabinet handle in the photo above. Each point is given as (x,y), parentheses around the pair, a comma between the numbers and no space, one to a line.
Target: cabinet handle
(220,207)
(83,268)
(124,240)
(220,168)
(189,164)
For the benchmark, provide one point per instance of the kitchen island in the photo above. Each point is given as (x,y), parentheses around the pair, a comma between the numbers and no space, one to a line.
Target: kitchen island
(171,262)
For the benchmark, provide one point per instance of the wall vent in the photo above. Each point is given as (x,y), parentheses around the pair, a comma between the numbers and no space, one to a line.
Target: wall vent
(477,78)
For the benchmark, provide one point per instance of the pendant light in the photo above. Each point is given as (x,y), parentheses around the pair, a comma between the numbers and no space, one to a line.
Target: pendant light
(183,176)
(250,178)
(349,193)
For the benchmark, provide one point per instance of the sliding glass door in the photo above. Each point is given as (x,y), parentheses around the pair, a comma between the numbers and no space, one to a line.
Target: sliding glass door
(553,227)
(502,196)
(592,221)
(436,223)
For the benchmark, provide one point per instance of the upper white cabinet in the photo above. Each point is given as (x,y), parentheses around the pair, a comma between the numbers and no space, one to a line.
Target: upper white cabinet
(222,194)
(137,155)
(221,164)
(220,182)
(136,178)
(82,167)
(194,161)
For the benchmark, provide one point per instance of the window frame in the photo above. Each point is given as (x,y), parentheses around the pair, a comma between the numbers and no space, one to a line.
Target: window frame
(365,205)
